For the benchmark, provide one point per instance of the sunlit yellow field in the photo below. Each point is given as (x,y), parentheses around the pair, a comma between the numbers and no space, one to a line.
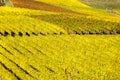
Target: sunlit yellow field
(60,58)
(60,40)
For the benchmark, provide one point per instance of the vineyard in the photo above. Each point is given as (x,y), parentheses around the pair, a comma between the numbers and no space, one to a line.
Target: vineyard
(33,21)
(58,40)
(60,58)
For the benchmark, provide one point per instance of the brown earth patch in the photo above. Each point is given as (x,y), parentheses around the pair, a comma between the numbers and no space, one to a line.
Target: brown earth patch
(31,4)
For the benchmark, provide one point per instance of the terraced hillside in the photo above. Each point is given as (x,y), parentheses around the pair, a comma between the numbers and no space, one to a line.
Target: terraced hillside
(58,40)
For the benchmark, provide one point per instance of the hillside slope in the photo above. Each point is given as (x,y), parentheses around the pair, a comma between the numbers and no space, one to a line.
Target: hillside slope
(66,6)
(57,14)
(58,40)
(104,4)
(32,4)
(60,58)
(77,6)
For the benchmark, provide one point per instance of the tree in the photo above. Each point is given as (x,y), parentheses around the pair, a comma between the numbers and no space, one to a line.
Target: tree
(6,3)
(2,2)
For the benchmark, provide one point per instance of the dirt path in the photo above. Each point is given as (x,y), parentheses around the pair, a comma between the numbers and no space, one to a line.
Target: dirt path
(31,4)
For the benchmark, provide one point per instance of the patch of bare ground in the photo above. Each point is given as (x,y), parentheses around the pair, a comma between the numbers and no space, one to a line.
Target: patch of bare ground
(31,4)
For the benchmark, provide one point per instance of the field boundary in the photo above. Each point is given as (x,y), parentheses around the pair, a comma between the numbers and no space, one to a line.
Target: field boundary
(13,34)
